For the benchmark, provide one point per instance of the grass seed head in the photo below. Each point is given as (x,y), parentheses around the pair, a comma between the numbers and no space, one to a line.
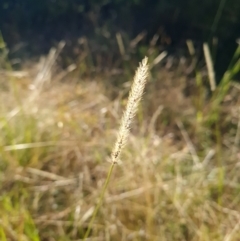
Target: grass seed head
(134,98)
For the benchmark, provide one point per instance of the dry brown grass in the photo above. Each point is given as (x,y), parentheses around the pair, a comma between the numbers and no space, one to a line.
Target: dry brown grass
(50,185)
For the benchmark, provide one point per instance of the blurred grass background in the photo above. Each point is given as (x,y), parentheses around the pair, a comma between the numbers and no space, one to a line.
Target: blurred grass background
(63,94)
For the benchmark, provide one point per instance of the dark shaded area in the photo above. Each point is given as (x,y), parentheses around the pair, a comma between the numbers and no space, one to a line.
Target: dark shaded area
(42,23)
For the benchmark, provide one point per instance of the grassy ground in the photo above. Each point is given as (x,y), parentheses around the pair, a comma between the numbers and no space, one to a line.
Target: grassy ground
(178,178)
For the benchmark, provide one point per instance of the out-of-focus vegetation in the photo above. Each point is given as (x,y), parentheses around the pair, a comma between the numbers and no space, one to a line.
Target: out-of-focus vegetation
(178,178)
(179,173)
(45,22)
(135,15)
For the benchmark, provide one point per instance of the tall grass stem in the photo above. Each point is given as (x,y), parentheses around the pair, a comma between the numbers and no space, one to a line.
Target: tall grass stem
(134,98)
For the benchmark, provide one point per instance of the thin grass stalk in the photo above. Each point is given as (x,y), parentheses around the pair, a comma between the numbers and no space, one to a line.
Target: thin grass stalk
(217,17)
(110,171)
(134,98)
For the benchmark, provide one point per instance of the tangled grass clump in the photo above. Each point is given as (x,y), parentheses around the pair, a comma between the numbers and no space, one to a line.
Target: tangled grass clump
(178,178)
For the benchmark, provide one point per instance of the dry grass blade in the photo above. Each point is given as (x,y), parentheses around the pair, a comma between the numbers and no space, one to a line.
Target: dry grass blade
(210,68)
(120,44)
(190,145)
(158,59)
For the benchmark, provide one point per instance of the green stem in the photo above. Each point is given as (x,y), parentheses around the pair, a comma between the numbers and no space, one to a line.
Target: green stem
(218,16)
(100,201)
